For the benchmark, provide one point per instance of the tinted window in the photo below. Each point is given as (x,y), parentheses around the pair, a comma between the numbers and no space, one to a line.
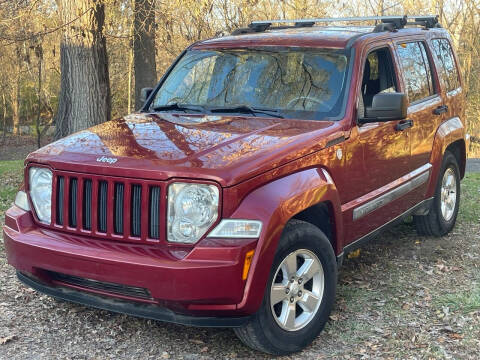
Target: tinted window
(447,69)
(302,83)
(416,70)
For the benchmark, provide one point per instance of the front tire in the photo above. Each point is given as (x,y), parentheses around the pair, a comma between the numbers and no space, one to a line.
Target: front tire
(443,213)
(299,295)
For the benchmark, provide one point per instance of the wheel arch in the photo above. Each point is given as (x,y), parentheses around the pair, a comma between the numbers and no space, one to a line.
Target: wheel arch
(449,136)
(458,149)
(296,196)
(322,216)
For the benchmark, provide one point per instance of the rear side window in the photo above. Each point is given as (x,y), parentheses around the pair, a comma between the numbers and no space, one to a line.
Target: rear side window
(447,69)
(416,70)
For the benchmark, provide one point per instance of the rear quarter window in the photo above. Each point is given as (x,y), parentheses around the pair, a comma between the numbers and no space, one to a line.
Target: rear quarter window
(445,60)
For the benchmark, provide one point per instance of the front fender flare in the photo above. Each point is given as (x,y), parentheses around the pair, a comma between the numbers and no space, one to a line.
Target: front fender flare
(275,204)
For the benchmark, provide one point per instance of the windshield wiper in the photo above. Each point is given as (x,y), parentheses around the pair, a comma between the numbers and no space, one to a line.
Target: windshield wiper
(181,107)
(246,109)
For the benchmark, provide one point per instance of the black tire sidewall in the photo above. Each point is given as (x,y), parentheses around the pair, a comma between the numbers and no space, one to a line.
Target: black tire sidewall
(311,238)
(449,161)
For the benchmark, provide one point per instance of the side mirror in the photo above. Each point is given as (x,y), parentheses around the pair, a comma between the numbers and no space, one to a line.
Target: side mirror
(144,94)
(386,107)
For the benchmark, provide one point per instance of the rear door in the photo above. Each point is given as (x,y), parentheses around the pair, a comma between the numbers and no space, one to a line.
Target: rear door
(424,96)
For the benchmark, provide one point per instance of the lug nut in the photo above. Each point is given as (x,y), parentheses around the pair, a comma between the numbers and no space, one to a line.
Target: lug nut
(299,293)
(292,299)
(292,279)
(300,280)
(287,290)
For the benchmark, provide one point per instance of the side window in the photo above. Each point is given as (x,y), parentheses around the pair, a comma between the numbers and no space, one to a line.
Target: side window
(378,77)
(447,69)
(416,70)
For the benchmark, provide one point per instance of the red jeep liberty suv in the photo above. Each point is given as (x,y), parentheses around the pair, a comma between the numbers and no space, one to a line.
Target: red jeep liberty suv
(258,162)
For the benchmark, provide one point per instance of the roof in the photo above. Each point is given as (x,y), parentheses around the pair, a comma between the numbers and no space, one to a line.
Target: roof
(324,36)
(330,37)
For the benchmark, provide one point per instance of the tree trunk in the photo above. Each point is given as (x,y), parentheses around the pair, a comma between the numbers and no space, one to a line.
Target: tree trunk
(4,118)
(39,54)
(130,71)
(144,47)
(84,87)
(16,94)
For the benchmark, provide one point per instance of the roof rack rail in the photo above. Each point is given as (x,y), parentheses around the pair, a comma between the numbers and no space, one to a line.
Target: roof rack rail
(388,23)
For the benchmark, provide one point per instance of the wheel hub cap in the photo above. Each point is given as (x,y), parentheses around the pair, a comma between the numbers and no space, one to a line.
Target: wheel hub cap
(448,194)
(297,290)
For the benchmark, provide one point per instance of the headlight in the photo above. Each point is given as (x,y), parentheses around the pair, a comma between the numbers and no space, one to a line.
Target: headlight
(40,183)
(21,201)
(192,209)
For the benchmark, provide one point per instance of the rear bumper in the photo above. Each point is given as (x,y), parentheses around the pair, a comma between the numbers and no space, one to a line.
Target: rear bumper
(130,308)
(205,281)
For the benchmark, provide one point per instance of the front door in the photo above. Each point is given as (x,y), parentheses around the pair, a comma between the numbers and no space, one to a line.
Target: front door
(377,154)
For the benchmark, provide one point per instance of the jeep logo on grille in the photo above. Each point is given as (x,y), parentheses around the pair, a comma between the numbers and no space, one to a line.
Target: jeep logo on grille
(105,159)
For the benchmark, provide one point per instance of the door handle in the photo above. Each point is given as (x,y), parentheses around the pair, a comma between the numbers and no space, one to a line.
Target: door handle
(440,110)
(404,124)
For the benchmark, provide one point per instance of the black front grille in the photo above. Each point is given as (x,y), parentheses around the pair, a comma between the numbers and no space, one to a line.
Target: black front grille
(118,219)
(60,190)
(102,206)
(112,288)
(136,210)
(111,207)
(87,204)
(72,213)
(154,217)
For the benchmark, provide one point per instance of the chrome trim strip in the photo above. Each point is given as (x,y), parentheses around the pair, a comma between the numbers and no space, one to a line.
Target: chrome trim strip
(390,196)
(423,206)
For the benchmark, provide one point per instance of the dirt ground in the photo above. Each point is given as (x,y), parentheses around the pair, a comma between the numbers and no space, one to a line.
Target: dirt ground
(403,297)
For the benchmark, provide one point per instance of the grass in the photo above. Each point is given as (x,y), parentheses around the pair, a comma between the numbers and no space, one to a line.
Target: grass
(10,166)
(465,301)
(470,206)
(10,178)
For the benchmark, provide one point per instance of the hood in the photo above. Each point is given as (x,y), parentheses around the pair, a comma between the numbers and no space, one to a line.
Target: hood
(226,149)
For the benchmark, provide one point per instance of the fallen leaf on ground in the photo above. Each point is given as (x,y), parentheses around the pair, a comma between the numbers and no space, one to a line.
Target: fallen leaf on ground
(196,341)
(455,336)
(7,339)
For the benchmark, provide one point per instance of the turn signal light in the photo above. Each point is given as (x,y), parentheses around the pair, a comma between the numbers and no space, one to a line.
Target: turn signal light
(247,263)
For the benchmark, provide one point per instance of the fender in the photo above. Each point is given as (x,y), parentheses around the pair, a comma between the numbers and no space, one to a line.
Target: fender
(275,204)
(447,133)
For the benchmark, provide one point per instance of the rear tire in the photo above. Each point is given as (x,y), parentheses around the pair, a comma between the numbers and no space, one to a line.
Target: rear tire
(299,295)
(443,212)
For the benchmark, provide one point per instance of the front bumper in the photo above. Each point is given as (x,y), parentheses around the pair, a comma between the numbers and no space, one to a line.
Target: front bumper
(147,311)
(197,286)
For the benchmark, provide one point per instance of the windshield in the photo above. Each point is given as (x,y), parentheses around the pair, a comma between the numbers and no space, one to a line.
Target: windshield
(299,83)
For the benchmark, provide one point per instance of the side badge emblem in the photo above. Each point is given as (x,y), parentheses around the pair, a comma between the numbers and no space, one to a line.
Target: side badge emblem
(339,154)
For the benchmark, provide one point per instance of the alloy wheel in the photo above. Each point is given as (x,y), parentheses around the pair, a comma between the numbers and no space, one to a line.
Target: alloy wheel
(297,290)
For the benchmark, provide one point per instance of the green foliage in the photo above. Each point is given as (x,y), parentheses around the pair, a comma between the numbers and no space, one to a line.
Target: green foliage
(464,301)
(7,167)
(11,175)
(469,204)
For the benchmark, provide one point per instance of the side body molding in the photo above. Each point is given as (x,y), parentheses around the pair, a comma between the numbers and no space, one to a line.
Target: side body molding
(275,204)
(447,133)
